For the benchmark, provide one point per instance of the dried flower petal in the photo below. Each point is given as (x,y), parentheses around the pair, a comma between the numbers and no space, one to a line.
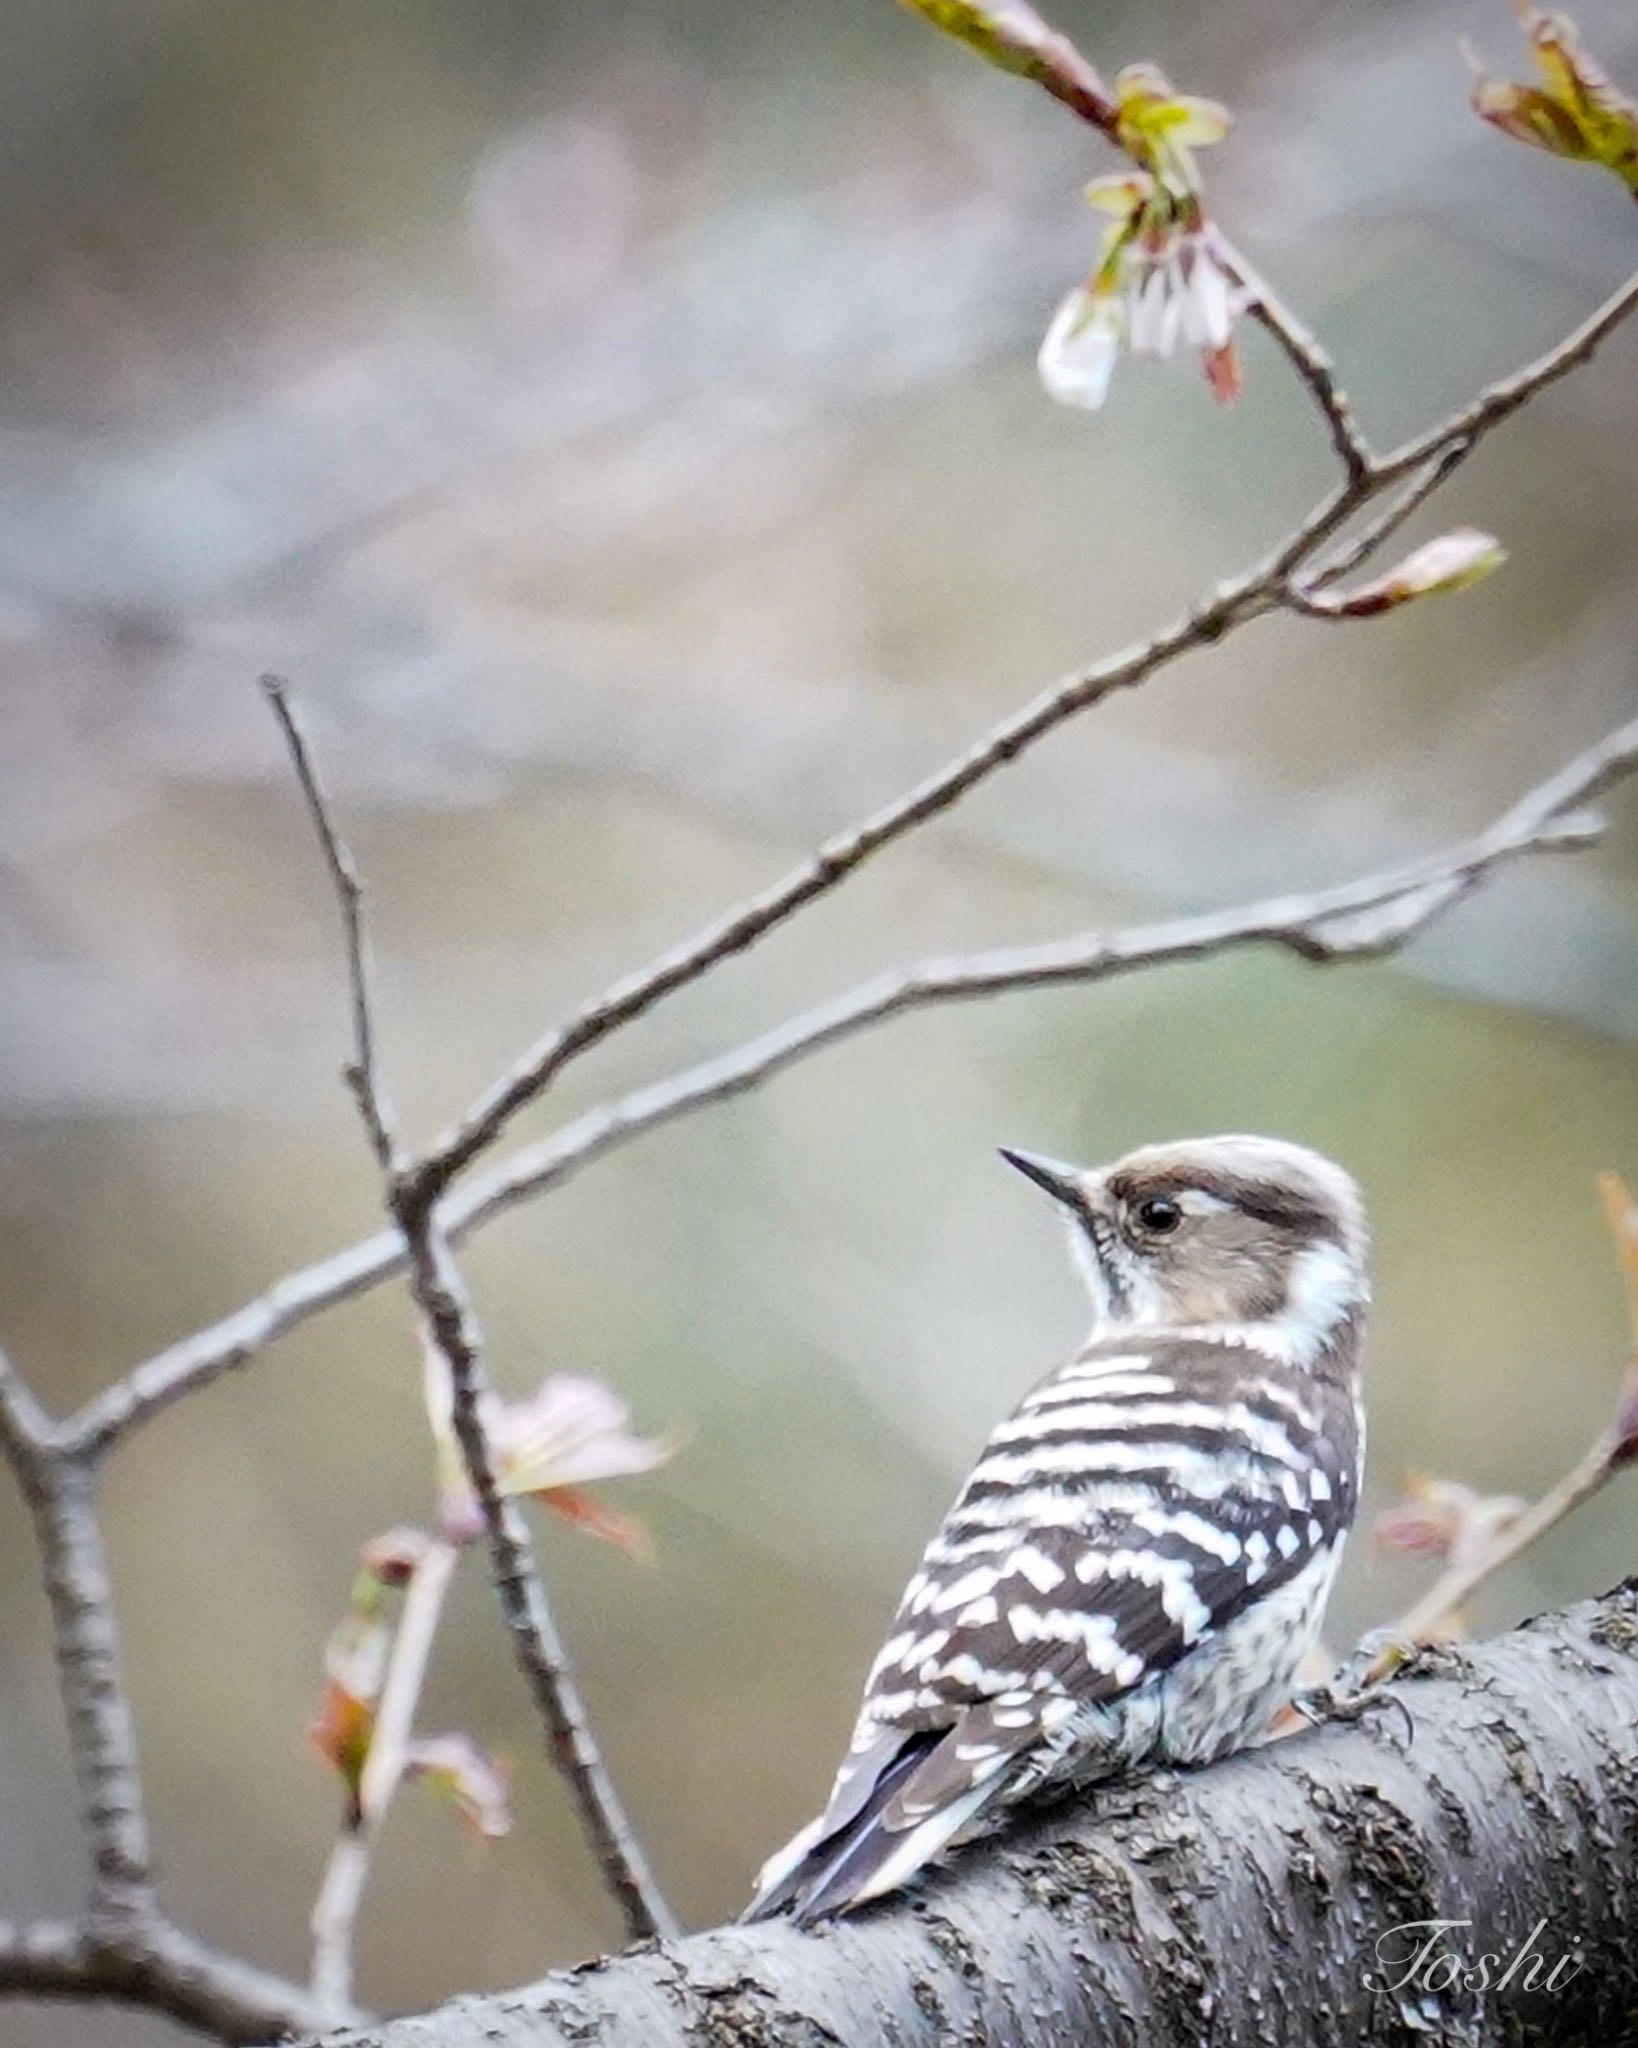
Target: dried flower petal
(1222,366)
(570,1432)
(342,1732)
(478,1785)
(587,1513)
(1443,1519)
(355,1658)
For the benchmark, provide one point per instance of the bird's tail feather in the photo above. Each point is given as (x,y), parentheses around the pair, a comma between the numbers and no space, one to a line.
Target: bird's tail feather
(877,1858)
(805,1863)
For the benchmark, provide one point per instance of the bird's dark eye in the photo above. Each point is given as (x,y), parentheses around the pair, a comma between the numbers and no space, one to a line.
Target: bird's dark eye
(1159,1215)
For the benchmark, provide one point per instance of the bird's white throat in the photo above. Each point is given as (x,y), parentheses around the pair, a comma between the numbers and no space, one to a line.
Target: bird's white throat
(1327,1286)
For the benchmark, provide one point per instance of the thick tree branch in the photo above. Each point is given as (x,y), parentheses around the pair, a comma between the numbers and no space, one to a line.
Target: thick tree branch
(172,1974)
(101,1732)
(58,1488)
(1513,1812)
(1395,907)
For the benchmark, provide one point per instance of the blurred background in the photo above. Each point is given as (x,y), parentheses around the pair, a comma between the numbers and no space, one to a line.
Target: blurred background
(621,425)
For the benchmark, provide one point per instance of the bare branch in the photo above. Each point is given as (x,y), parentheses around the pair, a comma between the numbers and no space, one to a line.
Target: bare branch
(536,1642)
(173,1974)
(1610,1452)
(123,1948)
(1233,604)
(1455,1586)
(224,1346)
(102,1735)
(362,1073)
(1370,917)
(1381,527)
(1304,924)
(452,1327)
(58,1490)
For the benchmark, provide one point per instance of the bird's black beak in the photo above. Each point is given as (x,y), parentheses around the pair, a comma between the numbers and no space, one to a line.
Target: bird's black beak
(1061,1182)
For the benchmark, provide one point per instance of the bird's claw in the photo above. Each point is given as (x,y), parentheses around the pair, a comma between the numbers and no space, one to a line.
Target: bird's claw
(1362,1684)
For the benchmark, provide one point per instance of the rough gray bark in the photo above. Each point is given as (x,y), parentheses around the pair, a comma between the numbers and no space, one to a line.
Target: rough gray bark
(1240,1904)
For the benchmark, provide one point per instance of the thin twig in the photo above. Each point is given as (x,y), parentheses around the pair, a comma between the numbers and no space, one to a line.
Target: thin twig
(362,1072)
(335,1911)
(534,1169)
(1611,1451)
(452,1325)
(1429,460)
(1457,1584)
(1375,532)
(536,1641)
(1232,604)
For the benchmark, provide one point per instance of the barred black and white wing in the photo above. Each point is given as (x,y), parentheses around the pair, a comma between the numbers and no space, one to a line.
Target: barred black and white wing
(1117,1527)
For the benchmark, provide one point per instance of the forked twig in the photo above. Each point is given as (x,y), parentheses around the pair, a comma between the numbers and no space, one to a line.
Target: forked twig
(452,1328)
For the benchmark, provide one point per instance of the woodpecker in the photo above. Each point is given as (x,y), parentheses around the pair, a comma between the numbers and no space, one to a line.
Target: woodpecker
(1142,1555)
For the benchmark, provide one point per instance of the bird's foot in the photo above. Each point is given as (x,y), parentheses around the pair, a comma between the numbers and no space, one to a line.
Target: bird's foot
(1361,1685)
